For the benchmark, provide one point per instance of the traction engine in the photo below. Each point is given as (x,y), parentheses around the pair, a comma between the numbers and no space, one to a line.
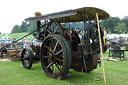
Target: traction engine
(59,48)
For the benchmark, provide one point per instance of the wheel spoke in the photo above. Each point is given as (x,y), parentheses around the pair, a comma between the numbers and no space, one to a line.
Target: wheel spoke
(55,46)
(56,30)
(52,42)
(47,47)
(58,68)
(59,60)
(54,69)
(60,65)
(54,26)
(59,52)
(24,58)
(61,56)
(26,55)
(49,31)
(46,56)
(49,60)
(26,62)
(49,65)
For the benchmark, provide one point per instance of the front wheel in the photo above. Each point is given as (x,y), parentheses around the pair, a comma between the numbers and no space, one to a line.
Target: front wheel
(56,56)
(26,58)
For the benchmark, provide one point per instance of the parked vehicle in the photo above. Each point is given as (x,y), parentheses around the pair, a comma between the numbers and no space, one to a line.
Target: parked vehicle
(60,49)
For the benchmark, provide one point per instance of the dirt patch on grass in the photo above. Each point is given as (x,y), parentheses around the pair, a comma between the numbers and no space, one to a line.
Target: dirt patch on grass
(114,59)
(5,60)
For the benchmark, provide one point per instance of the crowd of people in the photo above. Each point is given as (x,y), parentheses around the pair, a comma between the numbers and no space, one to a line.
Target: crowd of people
(12,44)
(118,40)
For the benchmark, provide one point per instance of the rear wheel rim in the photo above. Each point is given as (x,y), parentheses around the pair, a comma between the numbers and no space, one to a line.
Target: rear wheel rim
(54,57)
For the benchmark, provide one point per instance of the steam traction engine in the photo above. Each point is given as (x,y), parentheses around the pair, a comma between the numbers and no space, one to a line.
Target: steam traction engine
(60,48)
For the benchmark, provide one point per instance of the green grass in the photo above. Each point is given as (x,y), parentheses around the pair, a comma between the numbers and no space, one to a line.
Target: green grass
(13,73)
(17,35)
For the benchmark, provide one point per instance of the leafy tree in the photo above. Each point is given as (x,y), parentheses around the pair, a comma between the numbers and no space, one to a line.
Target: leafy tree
(110,23)
(31,27)
(74,25)
(125,20)
(24,26)
(121,27)
(0,33)
(108,30)
(16,29)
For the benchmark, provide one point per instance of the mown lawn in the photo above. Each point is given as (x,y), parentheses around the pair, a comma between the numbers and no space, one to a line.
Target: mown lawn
(18,35)
(12,73)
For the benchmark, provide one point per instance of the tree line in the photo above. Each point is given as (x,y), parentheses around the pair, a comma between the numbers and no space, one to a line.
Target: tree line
(113,25)
(24,27)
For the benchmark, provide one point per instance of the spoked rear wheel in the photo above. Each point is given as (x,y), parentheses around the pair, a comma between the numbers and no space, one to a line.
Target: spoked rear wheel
(52,28)
(26,58)
(56,56)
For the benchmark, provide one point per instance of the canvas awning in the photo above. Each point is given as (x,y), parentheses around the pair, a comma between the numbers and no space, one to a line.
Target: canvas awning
(73,15)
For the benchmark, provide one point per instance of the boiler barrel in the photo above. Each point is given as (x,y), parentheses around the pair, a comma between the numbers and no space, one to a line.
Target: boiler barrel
(36,45)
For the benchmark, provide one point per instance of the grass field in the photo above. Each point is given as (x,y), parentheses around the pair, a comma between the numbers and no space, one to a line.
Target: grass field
(17,35)
(12,73)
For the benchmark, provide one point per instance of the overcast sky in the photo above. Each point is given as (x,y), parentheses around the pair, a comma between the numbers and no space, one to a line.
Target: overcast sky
(13,12)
